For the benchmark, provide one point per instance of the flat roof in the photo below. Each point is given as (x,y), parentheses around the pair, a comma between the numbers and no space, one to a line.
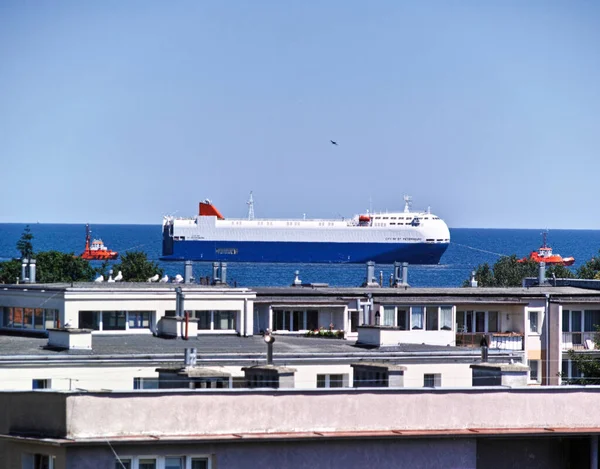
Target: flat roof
(215,349)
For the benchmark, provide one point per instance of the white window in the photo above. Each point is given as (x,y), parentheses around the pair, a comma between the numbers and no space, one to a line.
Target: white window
(534,371)
(446,318)
(533,322)
(416,318)
(40,384)
(389,315)
(432,380)
(333,381)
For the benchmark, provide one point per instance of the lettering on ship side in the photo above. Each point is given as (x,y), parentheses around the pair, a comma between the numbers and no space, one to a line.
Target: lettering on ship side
(226,251)
(404,239)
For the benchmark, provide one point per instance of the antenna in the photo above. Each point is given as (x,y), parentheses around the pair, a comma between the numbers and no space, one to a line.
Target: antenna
(407,203)
(250,207)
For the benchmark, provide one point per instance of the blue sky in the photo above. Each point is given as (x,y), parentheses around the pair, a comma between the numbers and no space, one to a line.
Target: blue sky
(121,112)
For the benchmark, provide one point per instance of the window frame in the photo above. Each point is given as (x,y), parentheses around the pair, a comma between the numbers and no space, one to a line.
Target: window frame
(530,316)
(435,377)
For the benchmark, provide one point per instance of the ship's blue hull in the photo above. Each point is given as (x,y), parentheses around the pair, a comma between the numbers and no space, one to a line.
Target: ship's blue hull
(309,252)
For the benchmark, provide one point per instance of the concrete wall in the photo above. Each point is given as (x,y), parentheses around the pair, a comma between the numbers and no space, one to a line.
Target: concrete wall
(386,336)
(231,411)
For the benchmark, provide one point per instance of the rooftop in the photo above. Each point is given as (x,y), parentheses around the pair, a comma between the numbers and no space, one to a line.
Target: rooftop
(218,349)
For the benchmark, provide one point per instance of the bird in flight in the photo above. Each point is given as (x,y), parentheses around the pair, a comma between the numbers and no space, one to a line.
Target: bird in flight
(333,143)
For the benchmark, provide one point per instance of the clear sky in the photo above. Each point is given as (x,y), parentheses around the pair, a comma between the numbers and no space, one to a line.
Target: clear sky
(121,112)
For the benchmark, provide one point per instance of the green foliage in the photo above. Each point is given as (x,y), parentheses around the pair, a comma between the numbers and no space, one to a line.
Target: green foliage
(54,266)
(24,245)
(10,271)
(508,272)
(591,269)
(326,333)
(588,365)
(136,267)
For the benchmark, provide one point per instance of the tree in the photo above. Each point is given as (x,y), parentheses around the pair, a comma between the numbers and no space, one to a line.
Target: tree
(24,244)
(10,271)
(54,266)
(136,267)
(588,366)
(591,269)
(509,272)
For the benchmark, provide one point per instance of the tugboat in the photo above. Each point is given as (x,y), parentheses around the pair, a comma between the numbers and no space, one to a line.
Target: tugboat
(96,251)
(544,254)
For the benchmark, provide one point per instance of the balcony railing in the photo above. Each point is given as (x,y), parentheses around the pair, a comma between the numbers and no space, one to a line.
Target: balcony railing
(578,340)
(496,340)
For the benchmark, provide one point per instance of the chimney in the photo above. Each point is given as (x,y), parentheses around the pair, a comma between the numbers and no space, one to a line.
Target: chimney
(32,271)
(397,273)
(370,272)
(187,272)
(542,274)
(190,357)
(269,340)
(179,307)
(215,273)
(473,282)
(224,272)
(484,349)
(405,274)
(24,278)
(297,282)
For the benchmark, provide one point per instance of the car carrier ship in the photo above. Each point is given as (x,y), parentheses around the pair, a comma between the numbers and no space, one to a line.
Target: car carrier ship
(404,236)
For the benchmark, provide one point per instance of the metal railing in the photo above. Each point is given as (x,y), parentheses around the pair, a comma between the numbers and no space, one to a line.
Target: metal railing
(503,341)
(579,340)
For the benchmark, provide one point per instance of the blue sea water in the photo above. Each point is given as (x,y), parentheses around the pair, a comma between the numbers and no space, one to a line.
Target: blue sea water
(469,247)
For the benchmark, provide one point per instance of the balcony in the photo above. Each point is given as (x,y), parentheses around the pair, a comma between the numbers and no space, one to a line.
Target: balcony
(578,340)
(496,340)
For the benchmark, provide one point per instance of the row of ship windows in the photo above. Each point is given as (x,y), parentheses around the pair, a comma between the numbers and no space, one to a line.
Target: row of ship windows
(402,218)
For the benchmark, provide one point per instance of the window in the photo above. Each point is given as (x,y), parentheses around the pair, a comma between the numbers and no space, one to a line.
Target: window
(139,319)
(174,463)
(199,463)
(224,320)
(40,384)
(388,315)
(432,380)
(147,464)
(480,321)
(113,320)
(402,319)
(123,464)
(28,318)
(533,322)
(204,319)
(431,318)
(297,320)
(145,383)
(492,322)
(534,370)
(332,381)
(446,318)
(89,320)
(38,461)
(312,320)
(591,320)
(417,317)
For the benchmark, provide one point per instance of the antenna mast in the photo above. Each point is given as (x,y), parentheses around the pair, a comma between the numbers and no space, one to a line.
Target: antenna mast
(407,203)
(250,207)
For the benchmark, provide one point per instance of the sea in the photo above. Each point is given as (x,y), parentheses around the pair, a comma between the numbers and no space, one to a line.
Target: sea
(469,247)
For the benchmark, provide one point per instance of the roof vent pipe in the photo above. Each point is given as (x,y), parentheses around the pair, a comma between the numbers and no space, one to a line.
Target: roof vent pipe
(370,272)
(190,357)
(542,273)
(405,274)
(187,272)
(484,349)
(32,271)
(473,282)
(224,272)
(215,272)
(24,278)
(179,297)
